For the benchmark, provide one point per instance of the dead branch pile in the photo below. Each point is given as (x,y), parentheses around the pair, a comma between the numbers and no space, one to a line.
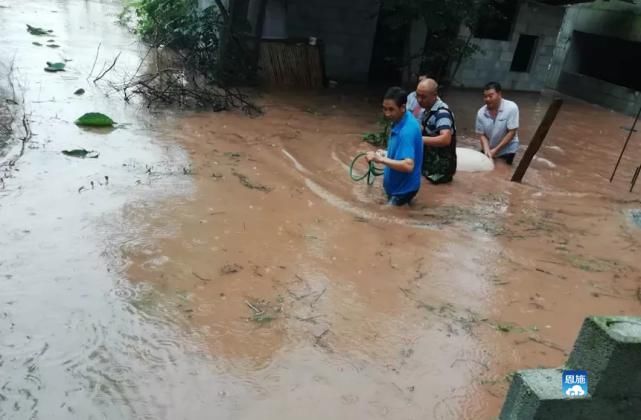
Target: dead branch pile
(169,82)
(194,60)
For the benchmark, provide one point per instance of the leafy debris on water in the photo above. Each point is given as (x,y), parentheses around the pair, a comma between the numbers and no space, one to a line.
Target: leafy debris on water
(262,311)
(593,265)
(231,268)
(508,328)
(53,46)
(34,30)
(80,91)
(246,182)
(94,119)
(37,44)
(81,153)
(55,67)
(636,217)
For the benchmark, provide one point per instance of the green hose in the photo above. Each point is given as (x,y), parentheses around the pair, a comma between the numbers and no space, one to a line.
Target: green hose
(371,173)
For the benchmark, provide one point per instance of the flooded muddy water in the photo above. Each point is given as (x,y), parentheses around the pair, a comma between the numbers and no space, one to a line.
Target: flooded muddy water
(220,266)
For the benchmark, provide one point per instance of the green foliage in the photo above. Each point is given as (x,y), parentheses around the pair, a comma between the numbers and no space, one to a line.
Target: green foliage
(94,119)
(81,153)
(199,35)
(443,46)
(380,137)
(54,67)
(34,30)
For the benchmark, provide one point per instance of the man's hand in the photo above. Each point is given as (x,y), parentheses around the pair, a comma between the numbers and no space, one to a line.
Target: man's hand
(488,152)
(373,157)
(493,153)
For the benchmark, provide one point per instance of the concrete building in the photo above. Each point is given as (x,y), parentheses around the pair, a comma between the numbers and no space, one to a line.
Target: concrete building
(585,48)
(598,55)
(517,51)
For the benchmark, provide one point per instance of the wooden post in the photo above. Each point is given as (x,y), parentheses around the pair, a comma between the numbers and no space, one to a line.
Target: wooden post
(627,140)
(537,139)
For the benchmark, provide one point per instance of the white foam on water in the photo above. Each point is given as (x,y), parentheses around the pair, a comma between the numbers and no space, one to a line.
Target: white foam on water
(556,149)
(545,162)
(297,164)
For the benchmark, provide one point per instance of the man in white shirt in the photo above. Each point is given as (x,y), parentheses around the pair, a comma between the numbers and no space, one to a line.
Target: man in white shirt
(497,123)
(413,106)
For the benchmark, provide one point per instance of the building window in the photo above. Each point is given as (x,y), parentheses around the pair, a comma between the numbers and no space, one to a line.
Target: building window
(496,20)
(524,53)
(621,66)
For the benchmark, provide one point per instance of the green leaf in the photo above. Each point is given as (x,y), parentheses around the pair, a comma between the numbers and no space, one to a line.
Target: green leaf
(53,46)
(94,119)
(34,30)
(81,153)
(37,44)
(80,91)
(54,67)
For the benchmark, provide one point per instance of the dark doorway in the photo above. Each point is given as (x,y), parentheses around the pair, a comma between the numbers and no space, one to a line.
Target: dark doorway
(388,53)
(610,59)
(524,53)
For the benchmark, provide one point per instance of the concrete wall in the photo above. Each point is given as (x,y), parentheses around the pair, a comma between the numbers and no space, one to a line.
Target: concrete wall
(275,24)
(612,19)
(347,28)
(493,62)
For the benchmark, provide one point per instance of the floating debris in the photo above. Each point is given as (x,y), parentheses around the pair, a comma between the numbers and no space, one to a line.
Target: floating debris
(34,30)
(55,67)
(94,119)
(80,91)
(81,153)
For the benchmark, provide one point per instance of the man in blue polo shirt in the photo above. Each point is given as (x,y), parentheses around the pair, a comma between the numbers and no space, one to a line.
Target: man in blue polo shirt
(404,157)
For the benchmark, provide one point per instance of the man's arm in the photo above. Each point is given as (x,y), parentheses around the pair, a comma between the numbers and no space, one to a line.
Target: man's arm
(405,165)
(485,145)
(512,127)
(444,126)
(480,130)
(504,142)
(442,140)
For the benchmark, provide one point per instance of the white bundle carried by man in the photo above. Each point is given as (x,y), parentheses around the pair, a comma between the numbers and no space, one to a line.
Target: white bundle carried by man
(470,160)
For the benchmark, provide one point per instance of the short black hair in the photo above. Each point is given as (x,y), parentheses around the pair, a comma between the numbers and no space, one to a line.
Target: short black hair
(397,94)
(493,85)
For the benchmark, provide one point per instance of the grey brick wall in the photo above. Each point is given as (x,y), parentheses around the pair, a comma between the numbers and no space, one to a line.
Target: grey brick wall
(347,28)
(494,60)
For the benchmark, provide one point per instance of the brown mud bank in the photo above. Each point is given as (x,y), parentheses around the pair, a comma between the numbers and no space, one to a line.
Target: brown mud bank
(298,280)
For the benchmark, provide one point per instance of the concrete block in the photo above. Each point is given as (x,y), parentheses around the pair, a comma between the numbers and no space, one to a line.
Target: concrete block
(610,349)
(537,395)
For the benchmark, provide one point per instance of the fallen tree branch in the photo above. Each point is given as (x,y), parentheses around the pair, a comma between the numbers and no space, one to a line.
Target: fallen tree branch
(94,61)
(108,68)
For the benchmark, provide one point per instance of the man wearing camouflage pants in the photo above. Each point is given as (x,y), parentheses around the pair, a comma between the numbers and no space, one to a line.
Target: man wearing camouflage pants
(439,134)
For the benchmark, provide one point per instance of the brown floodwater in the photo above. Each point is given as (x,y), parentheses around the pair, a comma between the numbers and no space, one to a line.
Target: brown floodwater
(230,268)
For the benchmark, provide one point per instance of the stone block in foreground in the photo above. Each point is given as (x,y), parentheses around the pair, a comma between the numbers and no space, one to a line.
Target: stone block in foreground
(536,395)
(609,348)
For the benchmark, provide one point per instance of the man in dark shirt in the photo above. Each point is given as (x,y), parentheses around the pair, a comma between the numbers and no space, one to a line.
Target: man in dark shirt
(439,134)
